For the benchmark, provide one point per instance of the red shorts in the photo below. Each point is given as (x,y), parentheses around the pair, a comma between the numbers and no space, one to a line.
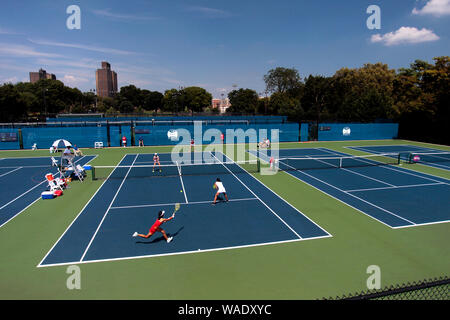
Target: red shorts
(154,229)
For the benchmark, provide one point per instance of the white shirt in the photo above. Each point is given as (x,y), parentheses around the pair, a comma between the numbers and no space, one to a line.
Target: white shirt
(220,187)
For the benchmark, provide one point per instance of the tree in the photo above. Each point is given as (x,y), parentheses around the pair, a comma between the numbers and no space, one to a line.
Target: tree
(196,99)
(316,97)
(282,104)
(12,106)
(282,80)
(355,90)
(152,100)
(243,101)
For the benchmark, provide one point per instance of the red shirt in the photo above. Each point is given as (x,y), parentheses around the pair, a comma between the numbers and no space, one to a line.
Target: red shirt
(155,225)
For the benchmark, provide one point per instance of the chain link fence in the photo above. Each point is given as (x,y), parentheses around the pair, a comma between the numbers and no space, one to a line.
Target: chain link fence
(431,289)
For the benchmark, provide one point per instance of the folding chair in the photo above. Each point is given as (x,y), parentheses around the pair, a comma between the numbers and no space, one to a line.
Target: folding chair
(55,183)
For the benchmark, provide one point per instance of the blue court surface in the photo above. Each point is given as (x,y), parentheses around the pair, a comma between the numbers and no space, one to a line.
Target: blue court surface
(22,182)
(390,194)
(427,156)
(127,202)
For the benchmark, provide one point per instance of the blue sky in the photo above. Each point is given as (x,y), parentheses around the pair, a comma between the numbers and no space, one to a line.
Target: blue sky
(158,45)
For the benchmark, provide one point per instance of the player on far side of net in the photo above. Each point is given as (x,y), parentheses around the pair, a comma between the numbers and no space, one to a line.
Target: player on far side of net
(157,227)
(156,162)
(220,189)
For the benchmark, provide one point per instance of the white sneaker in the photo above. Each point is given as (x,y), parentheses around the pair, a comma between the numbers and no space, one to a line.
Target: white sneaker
(135,234)
(169,239)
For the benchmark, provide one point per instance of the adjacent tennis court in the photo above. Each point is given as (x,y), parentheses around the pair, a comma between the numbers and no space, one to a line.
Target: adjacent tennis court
(375,185)
(413,154)
(23,180)
(133,192)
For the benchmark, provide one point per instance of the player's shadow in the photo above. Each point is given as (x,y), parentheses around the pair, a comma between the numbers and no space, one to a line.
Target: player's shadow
(161,238)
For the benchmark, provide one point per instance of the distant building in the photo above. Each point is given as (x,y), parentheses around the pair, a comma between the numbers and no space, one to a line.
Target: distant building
(106,80)
(221,104)
(40,75)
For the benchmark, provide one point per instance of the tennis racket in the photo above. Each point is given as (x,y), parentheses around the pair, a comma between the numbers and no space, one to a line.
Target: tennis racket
(177,207)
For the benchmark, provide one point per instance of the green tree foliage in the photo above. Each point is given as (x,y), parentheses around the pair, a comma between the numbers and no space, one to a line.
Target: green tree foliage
(196,99)
(243,101)
(12,104)
(282,80)
(363,94)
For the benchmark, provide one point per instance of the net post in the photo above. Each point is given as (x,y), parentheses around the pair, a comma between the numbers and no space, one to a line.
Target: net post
(93,173)
(399,159)
(258,165)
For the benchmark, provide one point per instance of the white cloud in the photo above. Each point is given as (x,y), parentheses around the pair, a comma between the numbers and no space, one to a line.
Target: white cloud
(210,12)
(14,50)
(81,46)
(107,13)
(434,7)
(405,35)
(73,81)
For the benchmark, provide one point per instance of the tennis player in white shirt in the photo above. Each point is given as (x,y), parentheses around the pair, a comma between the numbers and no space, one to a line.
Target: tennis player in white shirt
(220,189)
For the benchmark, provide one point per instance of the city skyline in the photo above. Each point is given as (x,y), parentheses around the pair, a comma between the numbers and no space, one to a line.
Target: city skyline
(214,45)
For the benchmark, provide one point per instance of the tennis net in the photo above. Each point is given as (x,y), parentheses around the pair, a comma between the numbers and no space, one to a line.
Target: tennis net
(430,157)
(309,163)
(168,170)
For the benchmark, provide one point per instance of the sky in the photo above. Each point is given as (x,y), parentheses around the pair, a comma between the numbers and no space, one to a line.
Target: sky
(217,45)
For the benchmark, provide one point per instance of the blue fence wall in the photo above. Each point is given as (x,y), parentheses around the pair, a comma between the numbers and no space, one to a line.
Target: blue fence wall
(357,131)
(253,119)
(86,136)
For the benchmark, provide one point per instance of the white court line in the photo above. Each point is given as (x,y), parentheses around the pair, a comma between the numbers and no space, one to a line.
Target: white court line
(106,213)
(87,203)
(357,173)
(396,187)
(10,171)
(284,222)
(33,201)
(352,195)
(422,224)
(406,171)
(281,198)
(172,204)
(428,164)
(183,252)
(182,184)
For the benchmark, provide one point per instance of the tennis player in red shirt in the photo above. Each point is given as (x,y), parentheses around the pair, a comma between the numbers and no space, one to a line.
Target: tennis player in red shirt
(157,227)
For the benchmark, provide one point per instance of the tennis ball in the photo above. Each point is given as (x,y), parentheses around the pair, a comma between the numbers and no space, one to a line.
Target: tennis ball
(181,190)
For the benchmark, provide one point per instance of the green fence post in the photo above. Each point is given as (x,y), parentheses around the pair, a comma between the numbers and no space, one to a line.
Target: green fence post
(20,139)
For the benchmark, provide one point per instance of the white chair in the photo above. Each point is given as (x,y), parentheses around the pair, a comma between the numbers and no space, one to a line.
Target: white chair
(54,162)
(55,183)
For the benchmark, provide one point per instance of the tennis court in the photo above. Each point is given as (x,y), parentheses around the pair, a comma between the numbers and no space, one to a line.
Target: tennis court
(424,156)
(23,180)
(132,194)
(375,185)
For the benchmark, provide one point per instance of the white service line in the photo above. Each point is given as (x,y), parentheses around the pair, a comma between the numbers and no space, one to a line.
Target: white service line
(407,171)
(182,184)
(284,222)
(109,207)
(10,171)
(352,195)
(357,173)
(172,204)
(397,187)
(87,203)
